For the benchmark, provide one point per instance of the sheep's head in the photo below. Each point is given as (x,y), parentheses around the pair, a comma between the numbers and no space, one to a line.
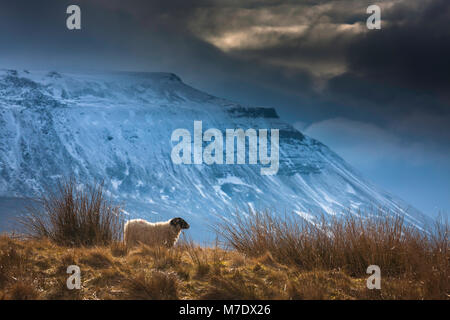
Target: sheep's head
(179,223)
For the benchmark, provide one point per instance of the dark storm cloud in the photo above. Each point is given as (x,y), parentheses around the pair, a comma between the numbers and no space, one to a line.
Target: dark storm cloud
(295,39)
(309,58)
(399,77)
(411,53)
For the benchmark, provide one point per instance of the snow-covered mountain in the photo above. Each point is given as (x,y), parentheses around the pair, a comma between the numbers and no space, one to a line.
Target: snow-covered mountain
(118,127)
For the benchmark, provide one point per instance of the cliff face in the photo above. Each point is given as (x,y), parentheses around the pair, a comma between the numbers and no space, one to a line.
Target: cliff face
(118,127)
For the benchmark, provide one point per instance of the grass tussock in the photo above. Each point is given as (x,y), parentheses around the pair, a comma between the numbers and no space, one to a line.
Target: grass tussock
(263,257)
(156,285)
(97,258)
(74,216)
(21,291)
(350,244)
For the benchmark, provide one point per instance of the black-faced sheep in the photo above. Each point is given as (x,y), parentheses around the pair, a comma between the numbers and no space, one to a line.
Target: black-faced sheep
(164,233)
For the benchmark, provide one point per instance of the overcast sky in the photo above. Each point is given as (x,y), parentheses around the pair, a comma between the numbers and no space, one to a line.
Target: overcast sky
(379,98)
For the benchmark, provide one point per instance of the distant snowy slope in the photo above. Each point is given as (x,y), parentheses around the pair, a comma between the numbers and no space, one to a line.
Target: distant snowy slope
(118,126)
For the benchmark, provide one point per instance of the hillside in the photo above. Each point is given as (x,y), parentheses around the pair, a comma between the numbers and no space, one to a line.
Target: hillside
(117,127)
(37,270)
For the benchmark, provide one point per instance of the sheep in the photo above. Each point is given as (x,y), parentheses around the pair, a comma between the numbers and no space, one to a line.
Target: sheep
(164,233)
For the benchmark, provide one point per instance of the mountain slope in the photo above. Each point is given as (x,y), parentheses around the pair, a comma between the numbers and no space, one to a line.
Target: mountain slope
(118,127)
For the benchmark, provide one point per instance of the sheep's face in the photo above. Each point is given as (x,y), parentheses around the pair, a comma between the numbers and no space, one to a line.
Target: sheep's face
(179,223)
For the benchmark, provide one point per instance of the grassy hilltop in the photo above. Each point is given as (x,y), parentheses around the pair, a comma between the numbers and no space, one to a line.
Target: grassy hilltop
(259,256)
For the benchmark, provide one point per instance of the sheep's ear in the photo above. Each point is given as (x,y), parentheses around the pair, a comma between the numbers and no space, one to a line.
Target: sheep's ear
(173,222)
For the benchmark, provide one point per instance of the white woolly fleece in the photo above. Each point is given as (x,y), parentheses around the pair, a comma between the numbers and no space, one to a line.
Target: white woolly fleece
(149,233)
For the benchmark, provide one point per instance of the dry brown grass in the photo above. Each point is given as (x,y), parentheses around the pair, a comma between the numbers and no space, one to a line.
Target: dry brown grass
(74,216)
(97,258)
(281,264)
(349,244)
(155,285)
(21,291)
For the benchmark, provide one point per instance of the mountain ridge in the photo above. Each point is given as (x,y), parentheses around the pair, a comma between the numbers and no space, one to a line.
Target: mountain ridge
(117,126)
